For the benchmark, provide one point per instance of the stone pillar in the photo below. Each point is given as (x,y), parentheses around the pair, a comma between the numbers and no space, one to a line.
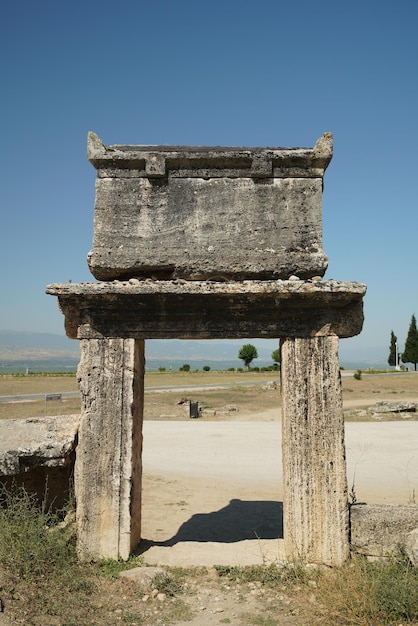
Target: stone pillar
(315,499)
(108,463)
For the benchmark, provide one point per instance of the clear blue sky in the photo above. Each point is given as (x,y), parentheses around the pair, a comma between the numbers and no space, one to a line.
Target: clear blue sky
(230,72)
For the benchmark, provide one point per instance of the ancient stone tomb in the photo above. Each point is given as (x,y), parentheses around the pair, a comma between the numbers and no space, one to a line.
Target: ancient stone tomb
(200,243)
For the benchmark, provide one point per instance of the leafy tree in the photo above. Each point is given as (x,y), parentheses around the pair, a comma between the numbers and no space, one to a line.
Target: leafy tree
(185,368)
(410,353)
(206,368)
(275,355)
(247,354)
(392,349)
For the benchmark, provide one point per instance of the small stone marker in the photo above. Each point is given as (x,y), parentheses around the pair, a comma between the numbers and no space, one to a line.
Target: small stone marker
(194,410)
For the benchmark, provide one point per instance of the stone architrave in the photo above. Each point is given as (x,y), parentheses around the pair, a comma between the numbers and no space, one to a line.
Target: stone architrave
(315,503)
(180,309)
(108,467)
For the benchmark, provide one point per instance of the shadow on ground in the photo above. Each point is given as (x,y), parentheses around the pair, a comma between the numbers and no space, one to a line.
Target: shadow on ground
(239,521)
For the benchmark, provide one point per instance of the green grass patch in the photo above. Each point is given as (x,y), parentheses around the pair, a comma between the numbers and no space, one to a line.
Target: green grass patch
(109,568)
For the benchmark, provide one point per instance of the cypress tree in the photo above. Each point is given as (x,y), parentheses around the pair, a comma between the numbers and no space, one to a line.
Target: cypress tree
(392,349)
(410,353)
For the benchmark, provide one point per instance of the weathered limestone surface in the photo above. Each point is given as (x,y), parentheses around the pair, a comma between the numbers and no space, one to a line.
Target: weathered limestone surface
(205,310)
(382,529)
(315,500)
(208,213)
(47,441)
(108,468)
(38,453)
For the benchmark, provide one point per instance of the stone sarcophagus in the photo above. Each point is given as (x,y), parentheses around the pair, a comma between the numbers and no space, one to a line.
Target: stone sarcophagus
(208,213)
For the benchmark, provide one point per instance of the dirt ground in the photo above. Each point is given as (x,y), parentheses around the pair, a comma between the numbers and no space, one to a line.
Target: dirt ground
(212,492)
(203,477)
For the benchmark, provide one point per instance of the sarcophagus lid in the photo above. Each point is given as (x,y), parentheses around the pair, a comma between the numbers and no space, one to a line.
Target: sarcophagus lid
(216,213)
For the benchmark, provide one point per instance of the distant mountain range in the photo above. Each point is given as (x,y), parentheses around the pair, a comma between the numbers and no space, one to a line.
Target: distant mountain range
(49,350)
(18,345)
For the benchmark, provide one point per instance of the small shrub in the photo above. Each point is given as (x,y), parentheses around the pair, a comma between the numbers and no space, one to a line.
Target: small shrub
(28,547)
(357,375)
(396,590)
(165,583)
(161,369)
(37,553)
(185,368)
(206,368)
(269,575)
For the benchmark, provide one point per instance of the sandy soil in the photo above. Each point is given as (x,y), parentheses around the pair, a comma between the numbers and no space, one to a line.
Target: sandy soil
(213,490)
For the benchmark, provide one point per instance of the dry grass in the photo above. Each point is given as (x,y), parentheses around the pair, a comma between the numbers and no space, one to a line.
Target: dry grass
(16,385)
(179,379)
(37,408)
(216,404)
(374,388)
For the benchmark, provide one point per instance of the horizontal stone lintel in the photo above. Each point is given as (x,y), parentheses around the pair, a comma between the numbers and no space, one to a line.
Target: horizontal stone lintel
(208,161)
(181,309)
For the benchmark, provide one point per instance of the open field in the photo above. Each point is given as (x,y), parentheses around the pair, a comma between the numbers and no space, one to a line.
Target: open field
(156,402)
(239,401)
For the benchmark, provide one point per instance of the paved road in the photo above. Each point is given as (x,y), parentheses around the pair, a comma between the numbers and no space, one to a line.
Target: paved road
(26,397)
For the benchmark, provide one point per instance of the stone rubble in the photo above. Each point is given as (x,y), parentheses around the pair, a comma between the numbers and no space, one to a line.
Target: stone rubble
(39,454)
